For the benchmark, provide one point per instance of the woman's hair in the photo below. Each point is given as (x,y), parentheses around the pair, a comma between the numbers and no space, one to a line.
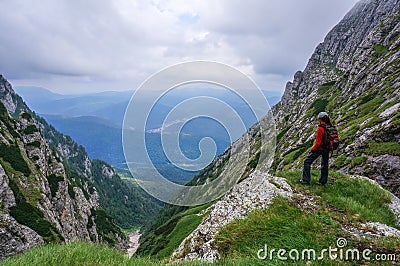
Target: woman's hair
(326,120)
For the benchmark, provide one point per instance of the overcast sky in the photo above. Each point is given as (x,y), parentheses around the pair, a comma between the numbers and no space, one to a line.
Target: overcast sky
(73,46)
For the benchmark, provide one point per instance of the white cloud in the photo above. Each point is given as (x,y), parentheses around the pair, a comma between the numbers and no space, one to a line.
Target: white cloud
(79,46)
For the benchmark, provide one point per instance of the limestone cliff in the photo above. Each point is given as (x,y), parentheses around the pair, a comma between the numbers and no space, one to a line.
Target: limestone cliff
(354,76)
(46,186)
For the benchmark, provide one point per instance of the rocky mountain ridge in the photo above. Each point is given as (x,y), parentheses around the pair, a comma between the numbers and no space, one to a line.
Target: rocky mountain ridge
(47,193)
(354,76)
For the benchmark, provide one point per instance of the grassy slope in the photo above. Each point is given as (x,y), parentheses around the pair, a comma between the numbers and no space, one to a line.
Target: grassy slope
(78,253)
(81,253)
(282,225)
(161,242)
(285,225)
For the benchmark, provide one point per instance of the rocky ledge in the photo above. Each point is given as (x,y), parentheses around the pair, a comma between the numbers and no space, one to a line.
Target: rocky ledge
(258,192)
(255,192)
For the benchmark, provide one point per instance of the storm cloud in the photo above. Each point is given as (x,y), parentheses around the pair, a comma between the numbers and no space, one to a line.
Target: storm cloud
(85,46)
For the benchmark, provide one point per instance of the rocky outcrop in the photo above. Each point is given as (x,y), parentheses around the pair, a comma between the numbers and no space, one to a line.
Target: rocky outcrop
(255,192)
(372,230)
(353,75)
(46,192)
(258,192)
(43,186)
(10,98)
(15,238)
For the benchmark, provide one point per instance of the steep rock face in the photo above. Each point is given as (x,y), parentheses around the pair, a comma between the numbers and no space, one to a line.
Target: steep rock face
(46,189)
(14,237)
(354,76)
(10,99)
(255,192)
(39,184)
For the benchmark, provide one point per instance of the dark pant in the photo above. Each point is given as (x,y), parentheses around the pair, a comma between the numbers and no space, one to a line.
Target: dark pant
(313,155)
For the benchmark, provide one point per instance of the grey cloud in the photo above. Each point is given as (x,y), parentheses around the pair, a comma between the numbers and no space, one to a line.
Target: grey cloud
(117,44)
(277,36)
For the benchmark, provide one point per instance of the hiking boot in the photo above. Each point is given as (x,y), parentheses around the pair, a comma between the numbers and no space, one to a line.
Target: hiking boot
(321,184)
(304,182)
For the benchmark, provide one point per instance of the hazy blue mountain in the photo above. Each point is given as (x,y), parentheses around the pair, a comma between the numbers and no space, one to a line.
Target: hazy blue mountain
(101,138)
(95,121)
(109,104)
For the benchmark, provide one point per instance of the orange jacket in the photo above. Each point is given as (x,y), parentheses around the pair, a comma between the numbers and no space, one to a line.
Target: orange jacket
(319,137)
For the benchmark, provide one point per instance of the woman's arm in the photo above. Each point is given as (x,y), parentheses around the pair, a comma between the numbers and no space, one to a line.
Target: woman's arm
(318,138)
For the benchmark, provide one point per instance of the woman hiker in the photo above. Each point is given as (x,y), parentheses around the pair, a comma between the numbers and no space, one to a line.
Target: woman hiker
(317,150)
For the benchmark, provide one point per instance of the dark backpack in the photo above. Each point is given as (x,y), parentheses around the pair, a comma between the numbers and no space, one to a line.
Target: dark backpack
(330,140)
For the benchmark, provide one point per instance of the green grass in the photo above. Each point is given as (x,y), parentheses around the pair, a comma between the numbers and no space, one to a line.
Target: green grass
(296,153)
(89,254)
(367,108)
(285,225)
(279,226)
(3,111)
(26,115)
(359,160)
(319,105)
(32,217)
(340,161)
(12,155)
(183,228)
(352,196)
(27,214)
(293,155)
(78,253)
(105,227)
(53,183)
(166,238)
(349,136)
(382,148)
(282,133)
(35,143)
(8,122)
(380,50)
(30,129)
(326,87)
(282,225)
(374,121)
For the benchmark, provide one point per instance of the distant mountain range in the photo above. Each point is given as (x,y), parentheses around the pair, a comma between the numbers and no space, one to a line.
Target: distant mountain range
(107,105)
(95,121)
